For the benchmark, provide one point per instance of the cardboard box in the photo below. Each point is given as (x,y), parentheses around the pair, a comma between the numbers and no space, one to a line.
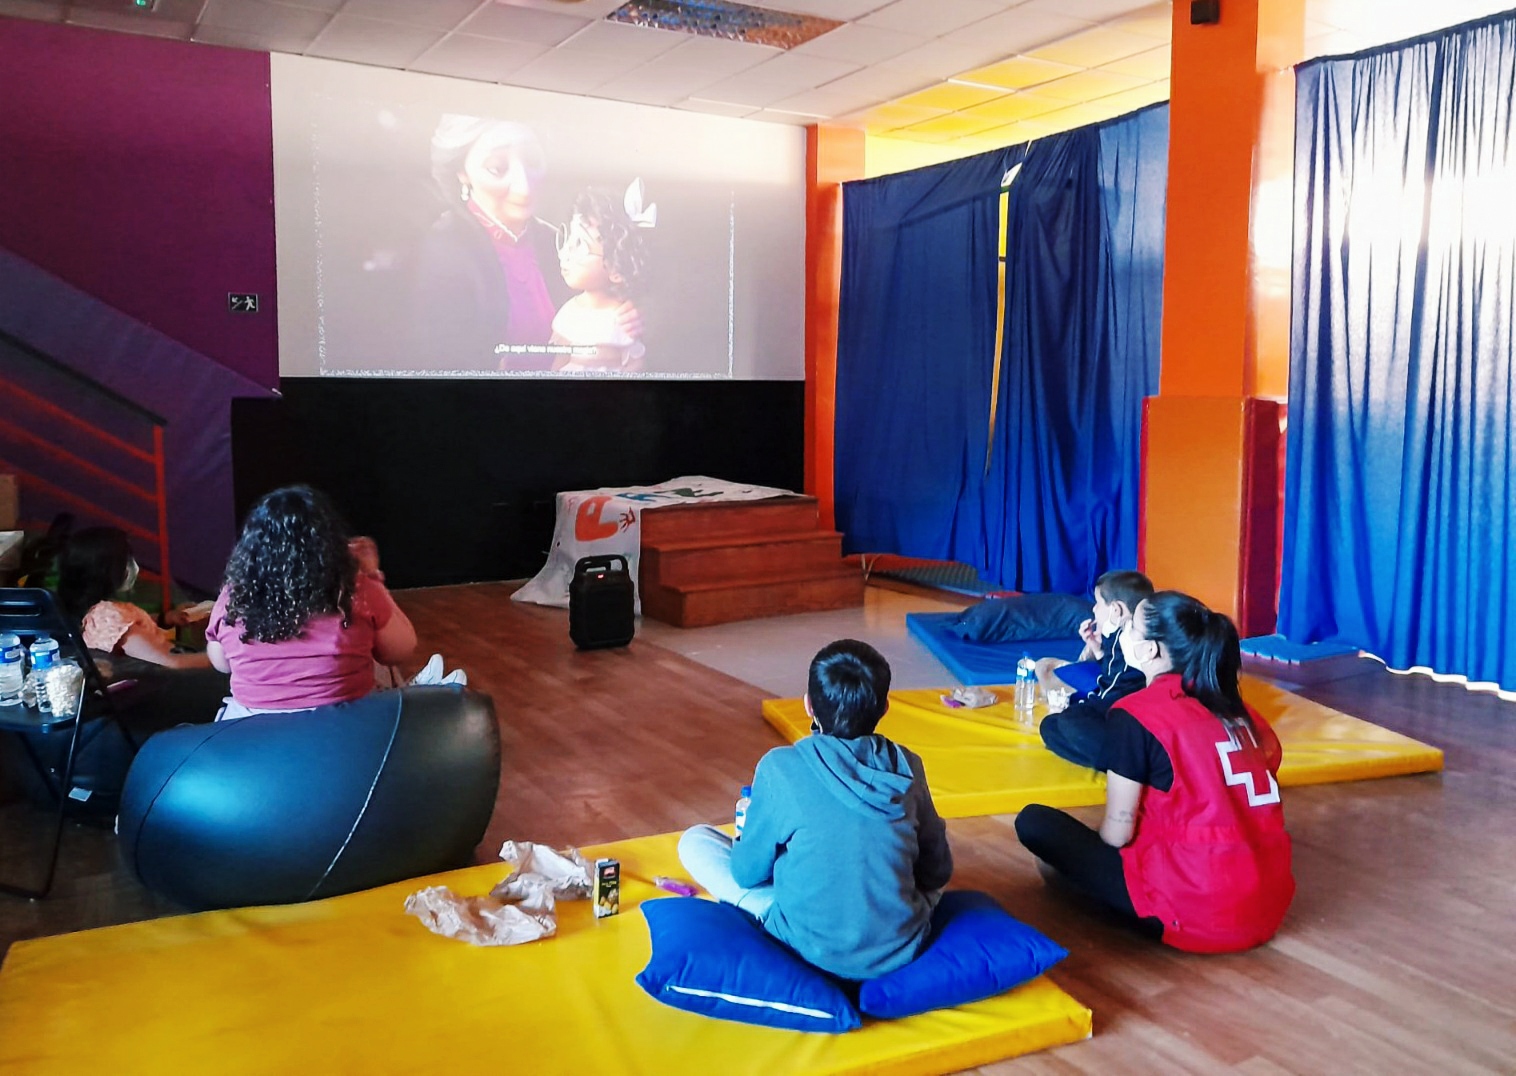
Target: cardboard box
(9,507)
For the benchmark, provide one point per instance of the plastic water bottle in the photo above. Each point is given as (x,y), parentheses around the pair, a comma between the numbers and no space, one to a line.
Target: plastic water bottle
(44,653)
(12,669)
(742,803)
(1026,686)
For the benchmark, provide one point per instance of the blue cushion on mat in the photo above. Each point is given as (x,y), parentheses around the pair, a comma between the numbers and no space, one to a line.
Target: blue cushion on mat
(977,950)
(714,959)
(1023,618)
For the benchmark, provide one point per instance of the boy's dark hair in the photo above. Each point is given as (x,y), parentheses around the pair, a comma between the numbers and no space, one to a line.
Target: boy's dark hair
(849,687)
(291,563)
(622,243)
(91,568)
(1127,587)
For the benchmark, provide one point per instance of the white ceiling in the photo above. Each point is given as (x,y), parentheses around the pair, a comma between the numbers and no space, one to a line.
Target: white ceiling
(927,70)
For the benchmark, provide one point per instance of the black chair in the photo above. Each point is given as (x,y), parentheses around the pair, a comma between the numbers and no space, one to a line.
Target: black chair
(31,612)
(283,808)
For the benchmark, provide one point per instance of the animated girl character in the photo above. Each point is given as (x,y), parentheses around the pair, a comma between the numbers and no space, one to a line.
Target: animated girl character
(603,253)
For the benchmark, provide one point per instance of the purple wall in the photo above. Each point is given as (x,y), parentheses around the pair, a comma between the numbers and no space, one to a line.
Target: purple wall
(141,172)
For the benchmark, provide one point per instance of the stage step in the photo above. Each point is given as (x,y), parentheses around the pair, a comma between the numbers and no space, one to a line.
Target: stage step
(712,559)
(727,519)
(696,605)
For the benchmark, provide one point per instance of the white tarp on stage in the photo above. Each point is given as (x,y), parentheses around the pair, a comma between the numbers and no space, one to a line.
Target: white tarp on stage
(596,522)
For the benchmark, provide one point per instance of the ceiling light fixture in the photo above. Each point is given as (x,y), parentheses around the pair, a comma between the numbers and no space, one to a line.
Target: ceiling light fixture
(721,18)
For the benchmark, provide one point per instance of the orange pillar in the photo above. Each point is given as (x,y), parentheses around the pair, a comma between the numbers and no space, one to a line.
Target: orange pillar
(1210,479)
(833,155)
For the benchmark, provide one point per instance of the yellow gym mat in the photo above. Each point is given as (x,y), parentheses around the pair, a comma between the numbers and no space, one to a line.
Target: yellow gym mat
(354,985)
(985,761)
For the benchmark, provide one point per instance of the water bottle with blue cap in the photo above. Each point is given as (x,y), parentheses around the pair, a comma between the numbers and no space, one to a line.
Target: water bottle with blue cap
(12,669)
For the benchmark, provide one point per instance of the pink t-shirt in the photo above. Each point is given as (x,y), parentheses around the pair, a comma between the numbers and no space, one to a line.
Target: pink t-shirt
(325,663)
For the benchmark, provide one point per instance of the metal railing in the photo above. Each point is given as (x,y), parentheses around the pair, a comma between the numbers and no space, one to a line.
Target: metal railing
(62,474)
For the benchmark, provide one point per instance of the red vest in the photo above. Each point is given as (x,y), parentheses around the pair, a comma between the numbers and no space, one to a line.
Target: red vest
(1210,857)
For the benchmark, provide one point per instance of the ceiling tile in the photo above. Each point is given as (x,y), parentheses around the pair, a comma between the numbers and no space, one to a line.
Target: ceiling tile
(949,95)
(586,9)
(1017,73)
(1155,21)
(888,117)
(1094,48)
(623,39)
(371,41)
(1150,65)
(1018,30)
(956,124)
(126,22)
(1090,10)
(943,59)
(1016,107)
(32,9)
(1141,97)
(883,82)
(714,54)
(744,89)
(1088,85)
(523,24)
(860,44)
(716,108)
(800,71)
(825,102)
(328,6)
(827,9)
(431,14)
(277,22)
(481,58)
(571,72)
(931,18)
(235,39)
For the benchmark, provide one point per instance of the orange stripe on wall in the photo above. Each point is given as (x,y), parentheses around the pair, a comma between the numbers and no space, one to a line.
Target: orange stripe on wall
(833,155)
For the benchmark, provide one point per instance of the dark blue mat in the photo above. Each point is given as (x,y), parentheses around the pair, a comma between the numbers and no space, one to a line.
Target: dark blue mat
(1278,648)
(981,663)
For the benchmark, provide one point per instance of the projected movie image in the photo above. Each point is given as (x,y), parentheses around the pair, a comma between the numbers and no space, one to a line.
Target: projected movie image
(543,236)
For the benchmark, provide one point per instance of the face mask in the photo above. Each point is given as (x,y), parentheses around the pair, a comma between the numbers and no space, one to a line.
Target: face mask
(1110,623)
(131,575)
(1128,644)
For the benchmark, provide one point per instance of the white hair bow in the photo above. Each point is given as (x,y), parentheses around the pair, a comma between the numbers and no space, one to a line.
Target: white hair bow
(642,218)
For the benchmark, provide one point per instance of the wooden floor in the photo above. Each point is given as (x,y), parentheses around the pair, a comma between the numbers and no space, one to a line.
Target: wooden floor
(1399,955)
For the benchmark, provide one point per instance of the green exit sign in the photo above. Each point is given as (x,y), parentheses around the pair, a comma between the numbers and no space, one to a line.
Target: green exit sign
(242,302)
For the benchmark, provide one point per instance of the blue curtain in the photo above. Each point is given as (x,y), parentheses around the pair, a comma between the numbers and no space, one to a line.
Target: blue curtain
(916,356)
(1399,533)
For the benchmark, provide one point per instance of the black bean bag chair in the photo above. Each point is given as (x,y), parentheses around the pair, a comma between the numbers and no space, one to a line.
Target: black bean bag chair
(282,808)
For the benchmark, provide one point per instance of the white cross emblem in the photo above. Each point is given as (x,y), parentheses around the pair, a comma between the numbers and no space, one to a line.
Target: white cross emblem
(1247,778)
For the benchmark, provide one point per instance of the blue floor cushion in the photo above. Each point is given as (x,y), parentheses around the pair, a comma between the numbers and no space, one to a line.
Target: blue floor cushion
(977,950)
(716,960)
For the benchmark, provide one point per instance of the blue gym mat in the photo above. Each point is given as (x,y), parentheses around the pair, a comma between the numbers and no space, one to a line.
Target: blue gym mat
(981,663)
(1278,648)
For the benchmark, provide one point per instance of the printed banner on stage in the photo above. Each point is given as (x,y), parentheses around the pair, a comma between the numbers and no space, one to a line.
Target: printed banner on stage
(598,522)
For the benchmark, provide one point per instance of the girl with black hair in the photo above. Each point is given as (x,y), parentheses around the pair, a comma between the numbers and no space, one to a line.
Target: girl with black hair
(94,569)
(304,614)
(1193,848)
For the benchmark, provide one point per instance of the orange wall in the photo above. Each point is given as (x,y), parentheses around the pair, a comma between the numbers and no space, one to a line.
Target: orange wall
(1226,303)
(833,155)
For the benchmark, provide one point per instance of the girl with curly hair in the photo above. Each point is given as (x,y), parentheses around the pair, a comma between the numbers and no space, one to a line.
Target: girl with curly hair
(602,254)
(304,614)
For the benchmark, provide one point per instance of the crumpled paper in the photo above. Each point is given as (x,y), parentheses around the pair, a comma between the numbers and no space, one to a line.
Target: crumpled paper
(520,909)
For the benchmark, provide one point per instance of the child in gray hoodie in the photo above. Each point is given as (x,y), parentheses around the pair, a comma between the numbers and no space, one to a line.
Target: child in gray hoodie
(842,854)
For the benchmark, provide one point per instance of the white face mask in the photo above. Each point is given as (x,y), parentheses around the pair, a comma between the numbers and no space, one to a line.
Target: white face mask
(131,575)
(1128,642)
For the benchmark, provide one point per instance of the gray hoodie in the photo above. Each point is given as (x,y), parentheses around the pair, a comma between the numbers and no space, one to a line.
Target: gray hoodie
(847,833)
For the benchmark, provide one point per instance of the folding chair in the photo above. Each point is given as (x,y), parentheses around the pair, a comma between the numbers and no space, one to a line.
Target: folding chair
(30,612)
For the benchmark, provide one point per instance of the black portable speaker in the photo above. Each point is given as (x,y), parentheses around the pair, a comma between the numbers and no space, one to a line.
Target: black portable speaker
(601,602)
